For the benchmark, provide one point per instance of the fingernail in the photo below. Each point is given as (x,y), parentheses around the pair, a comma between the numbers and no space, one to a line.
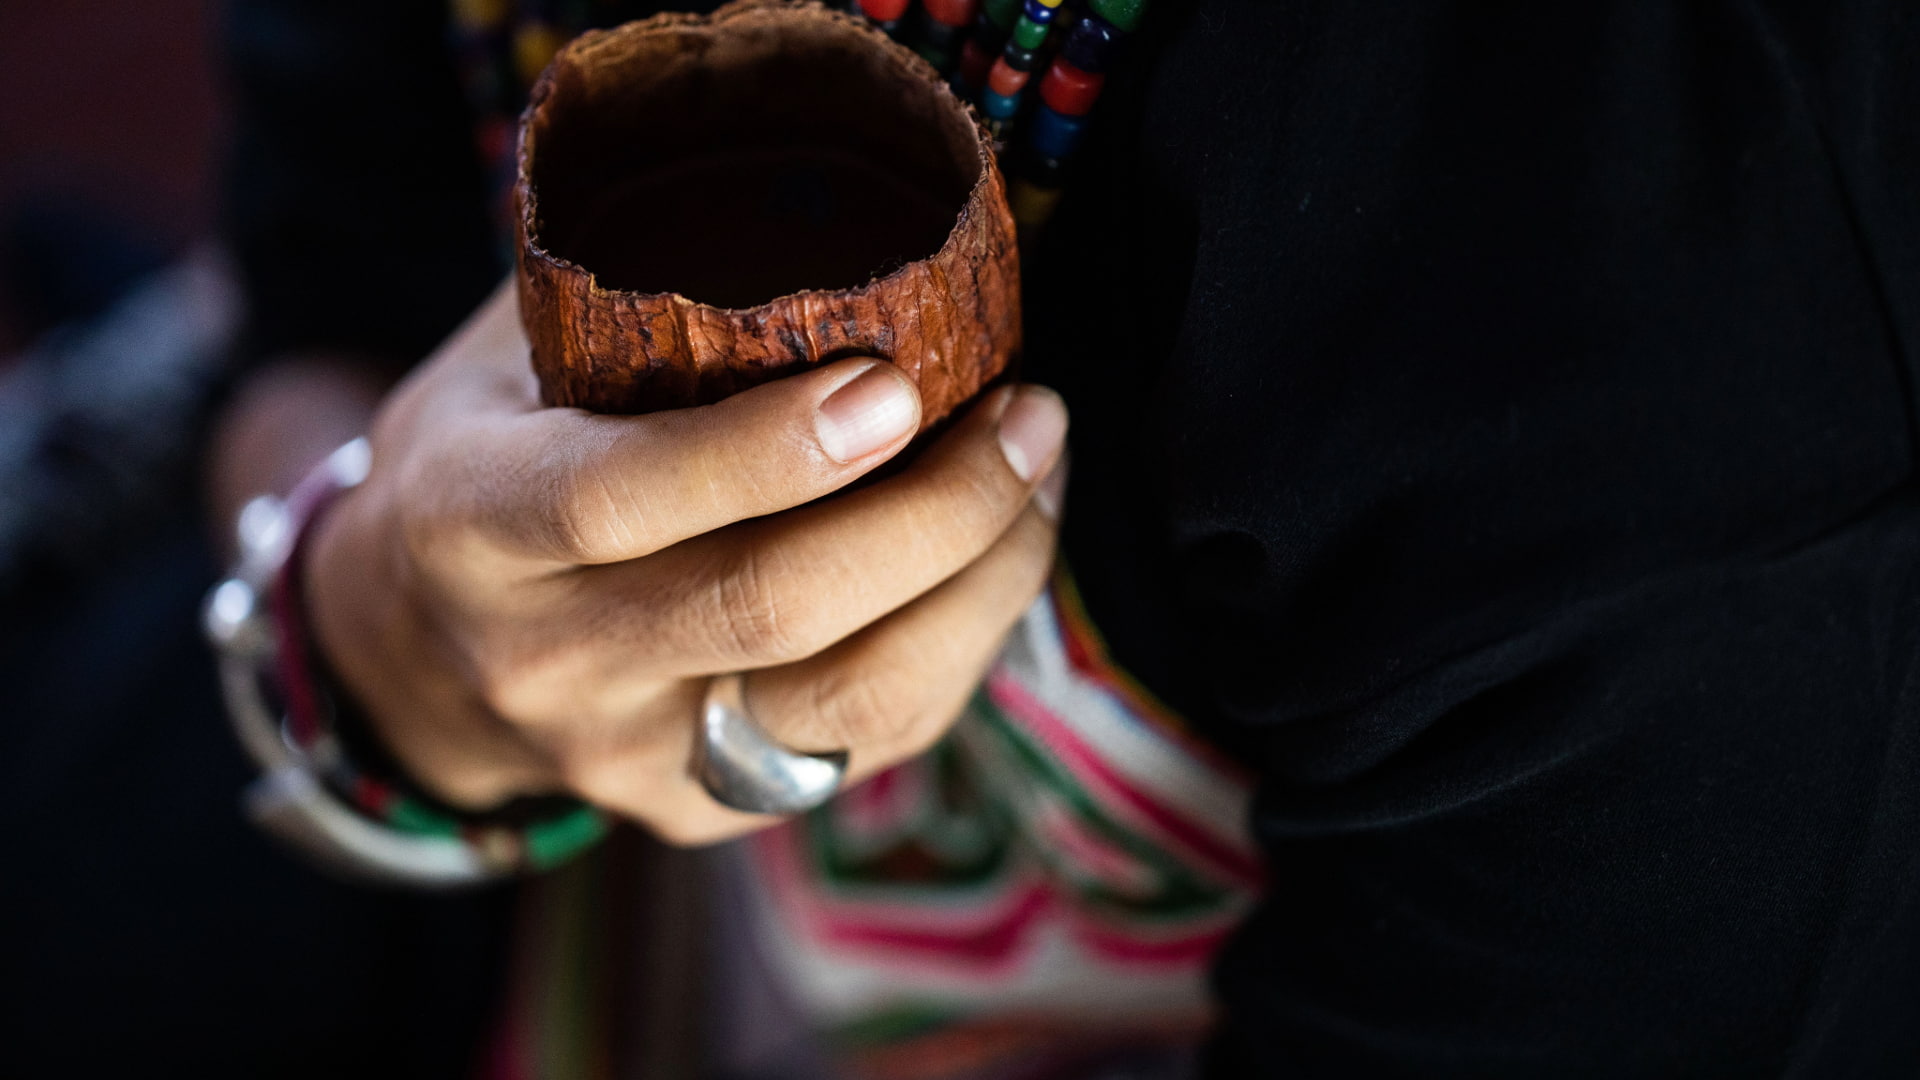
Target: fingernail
(1031,429)
(873,410)
(1052,492)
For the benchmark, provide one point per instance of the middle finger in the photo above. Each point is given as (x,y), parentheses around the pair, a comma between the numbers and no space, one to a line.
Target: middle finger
(780,589)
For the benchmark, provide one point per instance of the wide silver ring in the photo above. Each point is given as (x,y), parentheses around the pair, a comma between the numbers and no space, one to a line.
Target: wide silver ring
(744,767)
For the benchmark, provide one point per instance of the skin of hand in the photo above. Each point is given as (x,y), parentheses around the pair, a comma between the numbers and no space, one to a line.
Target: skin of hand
(530,600)
(282,420)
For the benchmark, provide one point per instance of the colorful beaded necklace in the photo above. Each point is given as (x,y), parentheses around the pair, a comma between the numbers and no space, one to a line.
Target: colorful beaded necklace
(989,50)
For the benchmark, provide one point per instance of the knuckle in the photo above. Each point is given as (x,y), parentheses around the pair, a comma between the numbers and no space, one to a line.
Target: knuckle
(578,519)
(755,621)
(431,517)
(425,536)
(851,707)
(500,690)
(515,684)
(932,726)
(589,776)
(969,502)
(624,780)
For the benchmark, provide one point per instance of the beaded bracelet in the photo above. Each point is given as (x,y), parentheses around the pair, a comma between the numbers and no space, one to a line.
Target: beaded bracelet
(317,792)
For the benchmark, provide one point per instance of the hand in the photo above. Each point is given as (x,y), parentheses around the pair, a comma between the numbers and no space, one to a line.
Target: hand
(532,600)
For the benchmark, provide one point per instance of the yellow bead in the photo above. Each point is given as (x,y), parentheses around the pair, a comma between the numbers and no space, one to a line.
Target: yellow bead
(479,14)
(1032,205)
(533,47)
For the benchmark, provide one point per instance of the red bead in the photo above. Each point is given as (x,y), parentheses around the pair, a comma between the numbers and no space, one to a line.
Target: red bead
(372,795)
(952,12)
(1004,80)
(974,61)
(884,10)
(1069,91)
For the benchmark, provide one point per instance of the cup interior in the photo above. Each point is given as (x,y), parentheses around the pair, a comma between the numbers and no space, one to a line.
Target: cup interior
(738,161)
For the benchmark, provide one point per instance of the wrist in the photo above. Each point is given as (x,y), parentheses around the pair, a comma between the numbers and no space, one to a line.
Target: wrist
(315,795)
(369,633)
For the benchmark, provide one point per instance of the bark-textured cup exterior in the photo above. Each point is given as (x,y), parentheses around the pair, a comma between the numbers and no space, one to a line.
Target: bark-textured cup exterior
(758,81)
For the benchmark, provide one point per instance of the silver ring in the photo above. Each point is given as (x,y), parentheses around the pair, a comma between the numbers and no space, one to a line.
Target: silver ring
(742,766)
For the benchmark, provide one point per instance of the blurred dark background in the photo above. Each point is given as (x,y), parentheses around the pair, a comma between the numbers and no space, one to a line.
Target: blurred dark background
(109,121)
(116,310)
(149,929)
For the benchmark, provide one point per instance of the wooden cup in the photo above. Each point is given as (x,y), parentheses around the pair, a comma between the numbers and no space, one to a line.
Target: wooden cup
(707,203)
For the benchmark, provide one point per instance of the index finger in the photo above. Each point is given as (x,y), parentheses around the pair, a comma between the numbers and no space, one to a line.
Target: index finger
(580,488)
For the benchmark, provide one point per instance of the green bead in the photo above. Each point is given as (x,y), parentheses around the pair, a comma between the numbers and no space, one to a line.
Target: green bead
(1123,14)
(551,842)
(1029,34)
(1002,12)
(410,815)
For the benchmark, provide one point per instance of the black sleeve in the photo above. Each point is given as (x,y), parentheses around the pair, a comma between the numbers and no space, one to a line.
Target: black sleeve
(1670,833)
(356,204)
(1495,421)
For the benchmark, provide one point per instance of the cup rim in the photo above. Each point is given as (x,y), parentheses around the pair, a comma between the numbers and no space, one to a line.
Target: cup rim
(526,197)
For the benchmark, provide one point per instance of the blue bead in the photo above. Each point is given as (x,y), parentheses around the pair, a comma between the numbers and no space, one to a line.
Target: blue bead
(1090,46)
(1038,12)
(998,106)
(1054,135)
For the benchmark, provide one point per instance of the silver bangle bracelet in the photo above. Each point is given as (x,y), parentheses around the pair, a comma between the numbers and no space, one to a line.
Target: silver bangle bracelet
(290,801)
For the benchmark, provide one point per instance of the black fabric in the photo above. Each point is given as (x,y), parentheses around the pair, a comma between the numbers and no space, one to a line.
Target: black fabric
(1493,423)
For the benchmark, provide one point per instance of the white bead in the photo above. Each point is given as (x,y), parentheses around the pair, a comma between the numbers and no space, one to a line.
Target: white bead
(262,525)
(230,612)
